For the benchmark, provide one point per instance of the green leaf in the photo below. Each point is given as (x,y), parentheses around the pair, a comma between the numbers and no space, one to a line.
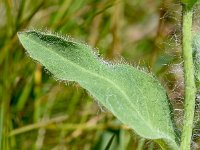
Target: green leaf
(136,98)
(189,3)
(196,58)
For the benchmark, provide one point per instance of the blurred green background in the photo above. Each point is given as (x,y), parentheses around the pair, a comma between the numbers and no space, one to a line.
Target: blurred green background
(36,112)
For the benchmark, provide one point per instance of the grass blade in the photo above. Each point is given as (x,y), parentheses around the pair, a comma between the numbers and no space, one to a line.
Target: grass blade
(109,143)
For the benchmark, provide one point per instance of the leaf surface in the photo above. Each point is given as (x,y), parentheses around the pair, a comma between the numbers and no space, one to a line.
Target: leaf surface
(189,3)
(196,58)
(136,98)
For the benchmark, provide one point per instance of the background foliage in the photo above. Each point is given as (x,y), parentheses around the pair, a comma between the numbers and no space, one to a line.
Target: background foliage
(38,113)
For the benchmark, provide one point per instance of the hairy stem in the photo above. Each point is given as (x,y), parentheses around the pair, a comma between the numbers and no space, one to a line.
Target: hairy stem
(190,89)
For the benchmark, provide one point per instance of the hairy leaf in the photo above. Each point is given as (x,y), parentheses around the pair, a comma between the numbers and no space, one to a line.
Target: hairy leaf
(136,98)
(196,58)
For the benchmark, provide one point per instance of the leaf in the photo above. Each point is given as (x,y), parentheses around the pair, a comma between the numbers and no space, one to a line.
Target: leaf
(136,98)
(189,3)
(196,58)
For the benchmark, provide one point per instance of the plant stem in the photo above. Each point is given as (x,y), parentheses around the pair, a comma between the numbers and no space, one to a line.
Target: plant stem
(189,81)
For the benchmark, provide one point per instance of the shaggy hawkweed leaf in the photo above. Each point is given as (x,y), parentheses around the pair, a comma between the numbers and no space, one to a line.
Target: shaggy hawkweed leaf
(136,98)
